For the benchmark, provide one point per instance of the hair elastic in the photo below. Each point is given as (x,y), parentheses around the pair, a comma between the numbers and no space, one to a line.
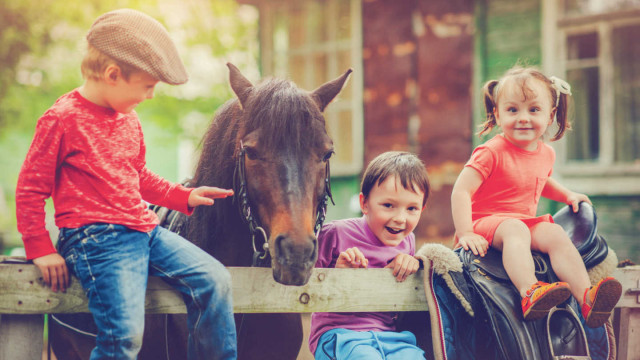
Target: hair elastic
(561,86)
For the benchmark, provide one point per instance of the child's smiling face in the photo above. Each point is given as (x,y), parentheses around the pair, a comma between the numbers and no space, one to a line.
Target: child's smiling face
(392,211)
(524,112)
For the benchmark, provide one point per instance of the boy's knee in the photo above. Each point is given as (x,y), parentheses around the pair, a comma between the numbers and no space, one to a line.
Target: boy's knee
(125,347)
(219,278)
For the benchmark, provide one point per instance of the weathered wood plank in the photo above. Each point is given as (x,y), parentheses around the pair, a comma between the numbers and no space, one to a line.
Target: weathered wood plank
(254,291)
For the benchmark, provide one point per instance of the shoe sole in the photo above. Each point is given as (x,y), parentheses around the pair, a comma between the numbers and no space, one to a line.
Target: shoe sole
(546,302)
(606,299)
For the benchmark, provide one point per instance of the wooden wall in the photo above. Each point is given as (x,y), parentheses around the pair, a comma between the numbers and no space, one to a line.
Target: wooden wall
(418,57)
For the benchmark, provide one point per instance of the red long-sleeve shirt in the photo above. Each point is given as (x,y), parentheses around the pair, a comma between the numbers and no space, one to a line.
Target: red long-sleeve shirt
(91,161)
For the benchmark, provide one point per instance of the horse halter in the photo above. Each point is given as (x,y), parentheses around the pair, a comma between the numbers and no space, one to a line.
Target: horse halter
(262,258)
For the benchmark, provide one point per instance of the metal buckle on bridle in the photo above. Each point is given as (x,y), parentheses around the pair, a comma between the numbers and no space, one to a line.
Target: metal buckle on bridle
(265,246)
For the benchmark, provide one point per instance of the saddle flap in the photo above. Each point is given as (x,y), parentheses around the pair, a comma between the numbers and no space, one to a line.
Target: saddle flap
(491,264)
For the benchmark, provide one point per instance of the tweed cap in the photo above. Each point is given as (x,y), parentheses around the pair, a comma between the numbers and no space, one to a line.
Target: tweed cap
(139,40)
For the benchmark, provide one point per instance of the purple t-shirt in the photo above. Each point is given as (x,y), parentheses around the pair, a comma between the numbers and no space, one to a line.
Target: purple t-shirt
(338,236)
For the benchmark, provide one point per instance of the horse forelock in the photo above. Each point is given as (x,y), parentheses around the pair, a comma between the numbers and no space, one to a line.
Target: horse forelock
(286,116)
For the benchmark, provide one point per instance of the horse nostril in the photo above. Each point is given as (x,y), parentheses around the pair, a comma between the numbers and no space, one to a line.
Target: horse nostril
(279,245)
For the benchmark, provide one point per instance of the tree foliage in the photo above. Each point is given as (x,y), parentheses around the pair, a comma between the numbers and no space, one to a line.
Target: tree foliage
(42,43)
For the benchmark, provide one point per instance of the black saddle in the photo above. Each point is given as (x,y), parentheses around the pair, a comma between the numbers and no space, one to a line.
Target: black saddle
(582,228)
(501,332)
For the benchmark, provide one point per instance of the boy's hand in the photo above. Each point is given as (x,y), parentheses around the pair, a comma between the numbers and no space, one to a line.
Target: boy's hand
(54,271)
(352,258)
(574,199)
(403,265)
(204,195)
(477,243)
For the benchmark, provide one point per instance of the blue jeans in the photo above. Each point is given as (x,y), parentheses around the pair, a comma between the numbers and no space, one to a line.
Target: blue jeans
(113,264)
(343,344)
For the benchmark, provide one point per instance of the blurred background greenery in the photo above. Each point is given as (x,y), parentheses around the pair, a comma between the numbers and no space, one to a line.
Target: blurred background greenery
(41,47)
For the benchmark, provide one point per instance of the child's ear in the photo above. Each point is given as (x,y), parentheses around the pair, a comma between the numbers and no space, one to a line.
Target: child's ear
(363,204)
(111,74)
(553,115)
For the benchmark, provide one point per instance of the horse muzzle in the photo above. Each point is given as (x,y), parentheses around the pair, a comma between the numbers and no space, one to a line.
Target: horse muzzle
(292,261)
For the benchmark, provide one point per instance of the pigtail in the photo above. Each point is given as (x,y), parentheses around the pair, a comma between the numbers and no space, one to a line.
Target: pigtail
(490,104)
(562,110)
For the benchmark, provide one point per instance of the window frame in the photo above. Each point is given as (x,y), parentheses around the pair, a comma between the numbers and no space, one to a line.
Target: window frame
(603,176)
(268,11)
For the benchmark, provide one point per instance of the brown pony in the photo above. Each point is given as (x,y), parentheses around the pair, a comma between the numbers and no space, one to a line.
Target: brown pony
(271,146)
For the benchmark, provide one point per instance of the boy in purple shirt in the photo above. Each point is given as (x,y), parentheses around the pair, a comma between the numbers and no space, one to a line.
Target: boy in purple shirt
(394,192)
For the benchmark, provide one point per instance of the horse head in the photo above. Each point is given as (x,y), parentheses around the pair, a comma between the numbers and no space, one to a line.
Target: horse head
(282,152)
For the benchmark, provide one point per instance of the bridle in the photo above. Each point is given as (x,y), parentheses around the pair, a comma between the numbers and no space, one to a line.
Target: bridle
(261,257)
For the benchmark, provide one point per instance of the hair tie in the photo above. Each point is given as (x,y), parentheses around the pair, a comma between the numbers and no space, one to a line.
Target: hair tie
(561,86)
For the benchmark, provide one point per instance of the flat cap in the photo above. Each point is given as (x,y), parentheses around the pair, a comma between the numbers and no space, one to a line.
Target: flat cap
(139,40)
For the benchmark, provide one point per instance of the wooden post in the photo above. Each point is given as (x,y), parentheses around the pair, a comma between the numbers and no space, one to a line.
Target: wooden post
(628,327)
(21,337)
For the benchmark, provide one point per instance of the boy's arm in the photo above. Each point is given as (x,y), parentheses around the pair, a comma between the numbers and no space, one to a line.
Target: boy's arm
(467,184)
(553,190)
(160,191)
(35,184)
(157,190)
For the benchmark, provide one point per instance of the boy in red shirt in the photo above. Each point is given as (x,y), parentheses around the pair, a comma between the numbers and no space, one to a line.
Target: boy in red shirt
(88,154)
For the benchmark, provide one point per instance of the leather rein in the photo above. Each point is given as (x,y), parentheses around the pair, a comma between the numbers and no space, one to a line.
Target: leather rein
(261,257)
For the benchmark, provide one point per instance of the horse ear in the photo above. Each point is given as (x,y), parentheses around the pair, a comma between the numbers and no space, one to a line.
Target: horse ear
(240,85)
(325,93)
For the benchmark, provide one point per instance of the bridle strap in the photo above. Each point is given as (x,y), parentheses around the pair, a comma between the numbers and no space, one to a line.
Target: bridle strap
(261,257)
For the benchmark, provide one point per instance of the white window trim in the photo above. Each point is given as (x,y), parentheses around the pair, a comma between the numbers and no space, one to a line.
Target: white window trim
(356,80)
(602,177)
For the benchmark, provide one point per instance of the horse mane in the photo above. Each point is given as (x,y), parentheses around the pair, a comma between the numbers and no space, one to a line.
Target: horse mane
(288,120)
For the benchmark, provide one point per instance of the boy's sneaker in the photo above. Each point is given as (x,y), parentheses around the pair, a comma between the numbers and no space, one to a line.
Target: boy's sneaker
(542,297)
(603,298)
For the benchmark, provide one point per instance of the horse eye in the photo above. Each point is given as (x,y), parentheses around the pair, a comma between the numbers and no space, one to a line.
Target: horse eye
(252,154)
(327,156)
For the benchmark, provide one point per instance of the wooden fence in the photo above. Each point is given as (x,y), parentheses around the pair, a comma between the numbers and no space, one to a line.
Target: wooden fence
(23,298)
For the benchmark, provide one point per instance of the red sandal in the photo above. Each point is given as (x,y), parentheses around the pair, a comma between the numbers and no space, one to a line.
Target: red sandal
(542,297)
(603,297)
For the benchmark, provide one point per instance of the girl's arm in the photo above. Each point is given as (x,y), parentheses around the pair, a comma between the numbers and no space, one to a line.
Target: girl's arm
(553,190)
(466,185)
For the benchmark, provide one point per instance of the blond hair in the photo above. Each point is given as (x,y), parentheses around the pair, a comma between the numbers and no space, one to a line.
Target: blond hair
(95,62)
(520,75)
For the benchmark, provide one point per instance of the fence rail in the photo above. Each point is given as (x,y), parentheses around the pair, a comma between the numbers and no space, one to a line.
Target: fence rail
(23,297)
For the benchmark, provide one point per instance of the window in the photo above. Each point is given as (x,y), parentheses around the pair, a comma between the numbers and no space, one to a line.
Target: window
(593,44)
(312,42)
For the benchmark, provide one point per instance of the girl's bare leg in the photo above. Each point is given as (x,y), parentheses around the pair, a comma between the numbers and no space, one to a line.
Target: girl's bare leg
(565,259)
(513,238)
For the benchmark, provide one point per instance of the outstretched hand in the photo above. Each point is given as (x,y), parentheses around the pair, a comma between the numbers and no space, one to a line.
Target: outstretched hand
(54,271)
(205,195)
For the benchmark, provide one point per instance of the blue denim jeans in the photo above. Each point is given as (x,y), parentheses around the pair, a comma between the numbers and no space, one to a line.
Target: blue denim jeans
(113,264)
(340,344)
